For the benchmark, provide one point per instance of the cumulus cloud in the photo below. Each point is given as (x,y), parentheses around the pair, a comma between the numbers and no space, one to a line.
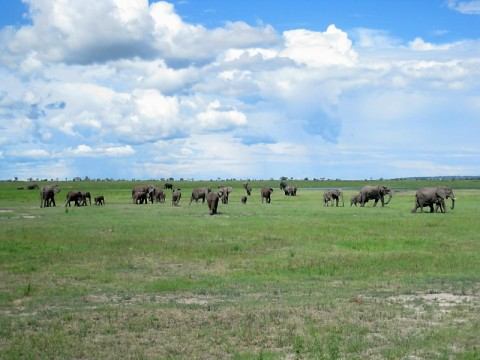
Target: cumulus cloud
(465,7)
(129,80)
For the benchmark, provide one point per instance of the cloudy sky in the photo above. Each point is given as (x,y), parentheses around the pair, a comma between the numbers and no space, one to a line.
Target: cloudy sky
(206,89)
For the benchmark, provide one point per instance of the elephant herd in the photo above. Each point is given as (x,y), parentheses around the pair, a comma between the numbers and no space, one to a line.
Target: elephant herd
(79,198)
(142,194)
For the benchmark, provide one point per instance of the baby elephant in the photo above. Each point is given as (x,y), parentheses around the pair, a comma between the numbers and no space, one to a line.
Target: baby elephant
(244,199)
(177,194)
(99,200)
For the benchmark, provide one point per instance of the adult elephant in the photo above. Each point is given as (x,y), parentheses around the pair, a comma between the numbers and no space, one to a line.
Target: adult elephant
(283,185)
(168,186)
(291,190)
(375,192)
(266,193)
(429,196)
(199,193)
(247,187)
(212,202)
(140,197)
(224,192)
(75,196)
(32,187)
(333,196)
(149,191)
(47,195)
(86,195)
(176,196)
(159,195)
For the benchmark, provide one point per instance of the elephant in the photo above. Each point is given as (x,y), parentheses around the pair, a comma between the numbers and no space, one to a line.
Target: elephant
(429,196)
(224,192)
(32,187)
(176,196)
(290,190)
(168,186)
(333,196)
(244,199)
(375,192)
(99,200)
(86,195)
(356,199)
(265,193)
(283,185)
(47,195)
(139,197)
(247,187)
(212,202)
(147,189)
(75,196)
(199,193)
(159,195)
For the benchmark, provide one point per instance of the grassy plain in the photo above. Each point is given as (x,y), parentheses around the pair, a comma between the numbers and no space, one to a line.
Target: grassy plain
(288,280)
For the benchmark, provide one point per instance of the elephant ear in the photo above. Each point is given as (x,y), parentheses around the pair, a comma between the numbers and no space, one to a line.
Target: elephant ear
(441,193)
(56,190)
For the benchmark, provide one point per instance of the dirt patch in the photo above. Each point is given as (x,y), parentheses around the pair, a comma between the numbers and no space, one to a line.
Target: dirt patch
(444,301)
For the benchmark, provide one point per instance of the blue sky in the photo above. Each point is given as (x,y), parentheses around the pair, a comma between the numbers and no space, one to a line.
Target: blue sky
(239,89)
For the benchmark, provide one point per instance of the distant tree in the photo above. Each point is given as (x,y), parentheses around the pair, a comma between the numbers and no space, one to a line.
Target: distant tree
(283,178)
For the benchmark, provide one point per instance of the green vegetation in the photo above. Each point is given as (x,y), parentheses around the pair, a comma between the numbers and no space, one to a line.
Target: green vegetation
(291,279)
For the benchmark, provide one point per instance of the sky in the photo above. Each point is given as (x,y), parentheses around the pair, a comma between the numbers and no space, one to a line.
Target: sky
(214,89)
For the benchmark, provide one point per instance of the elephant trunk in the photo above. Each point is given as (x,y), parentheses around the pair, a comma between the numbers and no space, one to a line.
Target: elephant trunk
(390,195)
(453,203)
(343,200)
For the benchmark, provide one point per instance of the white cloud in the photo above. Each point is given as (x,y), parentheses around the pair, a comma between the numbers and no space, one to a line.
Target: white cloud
(331,47)
(465,7)
(420,45)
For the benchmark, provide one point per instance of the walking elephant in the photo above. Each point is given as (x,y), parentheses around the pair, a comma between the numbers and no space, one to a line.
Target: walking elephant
(168,186)
(139,197)
(333,196)
(266,193)
(224,192)
(375,192)
(47,195)
(283,185)
(199,193)
(99,200)
(355,199)
(75,196)
(159,195)
(429,196)
(86,195)
(149,191)
(176,196)
(247,187)
(212,202)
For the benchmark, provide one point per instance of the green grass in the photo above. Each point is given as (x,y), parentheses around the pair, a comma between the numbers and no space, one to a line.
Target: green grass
(291,279)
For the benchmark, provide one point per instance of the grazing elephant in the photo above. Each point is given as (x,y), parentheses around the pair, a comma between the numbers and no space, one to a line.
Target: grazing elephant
(168,186)
(283,185)
(99,200)
(47,195)
(75,196)
(429,196)
(176,196)
(199,193)
(224,192)
(244,199)
(355,199)
(32,187)
(333,196)
(212,202)
(266,192)
(86,195)
(159,195)
(147,189)
(375,192)
(290,190)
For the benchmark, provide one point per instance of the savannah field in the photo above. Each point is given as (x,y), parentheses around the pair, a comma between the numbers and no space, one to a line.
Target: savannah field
(287,280)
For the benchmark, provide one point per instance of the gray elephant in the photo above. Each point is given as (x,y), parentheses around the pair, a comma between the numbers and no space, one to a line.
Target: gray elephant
(147,189)
(355,199)
(159,195)
(290,190)
(176,196)
(199,193)
(224,192)
(283,185)
(86,195)
(47,195)
(247,187)
(212,202)
(32,186)
(168,186)
(75,196)
(266,193)
(333,196)
(244,199)
(375,192)
(99,200)
(429,196)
